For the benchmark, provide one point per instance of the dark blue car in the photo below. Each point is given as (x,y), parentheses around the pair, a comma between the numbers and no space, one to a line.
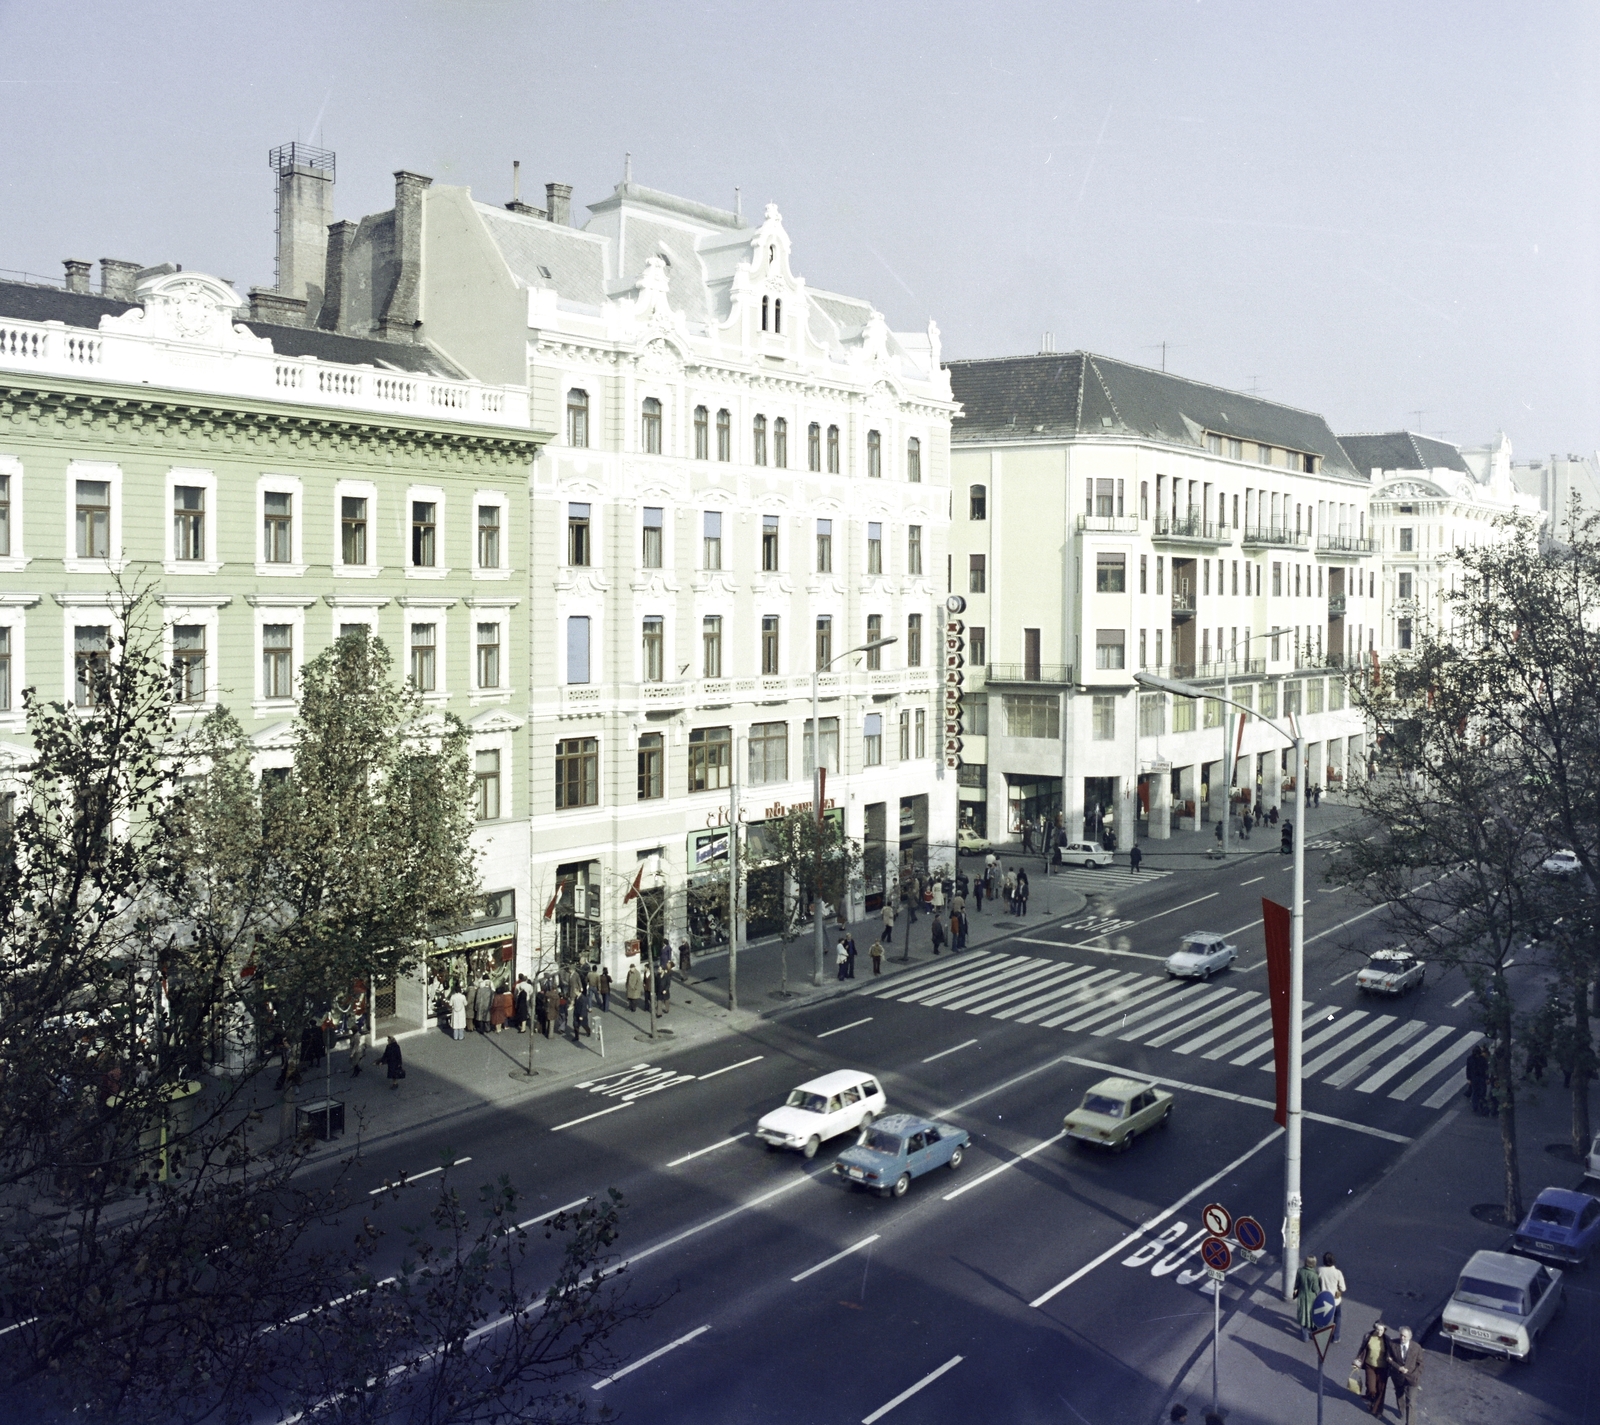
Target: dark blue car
(1561,1226)
(897,1148)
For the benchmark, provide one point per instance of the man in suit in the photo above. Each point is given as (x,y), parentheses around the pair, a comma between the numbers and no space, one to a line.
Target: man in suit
(1405,1370)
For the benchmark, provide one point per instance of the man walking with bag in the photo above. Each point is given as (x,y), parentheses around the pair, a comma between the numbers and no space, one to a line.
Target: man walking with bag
(1405,1369)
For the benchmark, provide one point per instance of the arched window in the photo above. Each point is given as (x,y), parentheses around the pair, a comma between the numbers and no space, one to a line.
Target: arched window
(874,455)
(724,436)
(833,450)
(758,440)
(780,443)
(651,431)
(814,447)
(764,304)
(978,502)
(777,314)
(577,417)
(702,433)
(914,461)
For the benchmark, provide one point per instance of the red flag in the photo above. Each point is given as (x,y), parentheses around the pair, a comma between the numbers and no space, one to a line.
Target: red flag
(822,793)
(633,890)
(1275,924)
(550,909)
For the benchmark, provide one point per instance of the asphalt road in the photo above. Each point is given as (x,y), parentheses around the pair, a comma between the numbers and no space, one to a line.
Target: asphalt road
(1022,1280)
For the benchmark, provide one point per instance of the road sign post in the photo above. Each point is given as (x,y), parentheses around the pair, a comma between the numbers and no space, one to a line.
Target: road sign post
(1217,1219)
(1251,1237)
(1215,1254)
(1323,1309)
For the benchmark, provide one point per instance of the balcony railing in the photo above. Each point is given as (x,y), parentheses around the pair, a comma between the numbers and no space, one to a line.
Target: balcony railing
(1183,601)
(1275,535)
(1057,673)
(1345,544)
(1194,529)
(1108,524)
(1230,668)
(1336,606)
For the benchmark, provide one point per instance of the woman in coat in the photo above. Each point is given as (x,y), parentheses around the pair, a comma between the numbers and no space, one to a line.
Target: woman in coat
(1374,1359)
(519,1005)
(392,1062)
(458,1016)
(1306,1286)
(634,987)
(603,986)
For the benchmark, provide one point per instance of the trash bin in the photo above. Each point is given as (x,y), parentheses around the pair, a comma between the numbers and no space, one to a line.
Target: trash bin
(321,1118)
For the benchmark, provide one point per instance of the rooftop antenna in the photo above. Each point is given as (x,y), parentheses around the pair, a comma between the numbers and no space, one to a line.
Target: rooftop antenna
(738,204)
(1162,346)
(516,179)
(1418,415)
(627,168)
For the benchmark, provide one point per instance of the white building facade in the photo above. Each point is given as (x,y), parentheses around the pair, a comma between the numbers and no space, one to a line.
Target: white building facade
(1111,518)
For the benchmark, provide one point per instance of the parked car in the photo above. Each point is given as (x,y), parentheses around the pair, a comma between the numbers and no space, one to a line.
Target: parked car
(1391,972)
(1500,1305)
(1116,1111)
(823,1108)
(1561,863)
(1200,954)
(1084,853)
(969,843)
(898,1148)
(1592,1167)
(1562,1226)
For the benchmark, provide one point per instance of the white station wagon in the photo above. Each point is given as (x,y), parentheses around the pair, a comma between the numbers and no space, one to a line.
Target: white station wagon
(820,1109)
(1500,1304)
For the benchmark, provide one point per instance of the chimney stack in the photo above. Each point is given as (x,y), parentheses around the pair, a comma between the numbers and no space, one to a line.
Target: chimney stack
(276,309)
(516,205)
(305,208)
(341,237)
(558,203)
(117,278)
(77,274)
(402,312)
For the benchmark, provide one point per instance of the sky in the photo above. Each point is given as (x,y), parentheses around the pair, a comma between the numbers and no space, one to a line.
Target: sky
(1384,212)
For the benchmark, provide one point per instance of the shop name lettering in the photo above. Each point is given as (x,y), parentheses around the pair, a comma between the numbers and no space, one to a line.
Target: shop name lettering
(954,658)
(772,813)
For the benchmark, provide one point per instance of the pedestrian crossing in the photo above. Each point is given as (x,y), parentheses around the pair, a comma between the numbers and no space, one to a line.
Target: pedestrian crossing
(1104,878)
(1409,1061)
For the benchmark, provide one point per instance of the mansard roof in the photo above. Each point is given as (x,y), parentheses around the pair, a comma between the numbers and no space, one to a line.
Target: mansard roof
(1067,395)
(1402,450)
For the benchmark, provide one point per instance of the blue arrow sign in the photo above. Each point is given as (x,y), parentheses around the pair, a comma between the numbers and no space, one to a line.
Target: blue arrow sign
(1322,1309)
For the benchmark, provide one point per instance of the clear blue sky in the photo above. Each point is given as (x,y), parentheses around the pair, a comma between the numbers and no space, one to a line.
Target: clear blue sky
(1363,208)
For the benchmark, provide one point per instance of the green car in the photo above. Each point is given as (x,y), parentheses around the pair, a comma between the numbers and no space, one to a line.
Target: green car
(1116,1111)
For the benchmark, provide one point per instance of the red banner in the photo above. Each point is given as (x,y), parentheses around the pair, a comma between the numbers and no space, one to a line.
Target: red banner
(1275,923)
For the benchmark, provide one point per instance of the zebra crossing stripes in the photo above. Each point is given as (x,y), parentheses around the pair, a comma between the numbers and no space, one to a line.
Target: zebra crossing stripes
(1451,1088)
(1264,1046)
(1232,1000)
(1108,981)
(1121,1003)
(1104,878)
(1347,1043)
(1254,1032)
(1357,1066)
(1062,974)
(1435,1066)
(932,972)
(1186,1012)
(1411,1055)
(1219,1030)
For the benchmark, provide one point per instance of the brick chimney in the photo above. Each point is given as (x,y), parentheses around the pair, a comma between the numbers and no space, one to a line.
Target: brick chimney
(77,274)
(305,208)
(402,311)
(117,278)
(558,203)
(341,237)
(267,305)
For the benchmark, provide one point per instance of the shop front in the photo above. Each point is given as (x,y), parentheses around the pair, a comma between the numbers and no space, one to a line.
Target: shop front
(1029,798)
(575,908)
(764,891)
(484,951)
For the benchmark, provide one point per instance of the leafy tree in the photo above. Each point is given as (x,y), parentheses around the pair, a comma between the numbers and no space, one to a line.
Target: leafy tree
(794,866)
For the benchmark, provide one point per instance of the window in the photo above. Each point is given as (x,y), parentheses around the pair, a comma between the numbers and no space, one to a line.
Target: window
(922,732)
(1029,715)
(768,753)
(833,450)
(654,650)
(1267,696)
(1206,568)
(1235,576)
(702,433)
(711,646)
(830,745)
(353,529)
(914,641)
(1264,455)
(1407,535)
(1161,566)
(1109,648)
(914,461)
(978,502)
(651,757)
(814,447)
(94,519)
(1405,633)
(977,646)
(914,549)
(577,535)
(5,669)
(780,443)
(710,758)
(874,633)
(486,784)
(777,314)
(188,663)
(424,656)
(651,554)
(650,426)
(188,522)
(1110,573)
(758,440)
(5,515)
(577,418)
(424,533)
(1213,444)
(711,542)
(1105,718)
(724,436)
(769,645)
(1291,700)
(1030,654)
(1152,714)
(277,660)
(1144,499)
(1404,585)
(1314,689)
(488,536)
(766,303)
(874,455)
(975,714)
(976,572)
(874,547)
(872,741)
(769,543)
(1183,714)
(1277,579)
(824,546)
(824,642)
(577,772)
(905,734)
(488,655)
(1235,449)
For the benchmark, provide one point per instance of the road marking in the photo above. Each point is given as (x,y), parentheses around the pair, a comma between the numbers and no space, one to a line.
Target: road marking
(1183,1012)
(1334,930)
(1248,925)
(1228,1002)
(1253,881)
(943,1052)
(1345,1046)
(1342,978)
(554,1211)
(731,1067)
(1401,1061)
(1175,909)
(1408,1030)
(573,1123)
(1228,1025)
(701,1152)
(1107,950)
(906,1395)
(1059,976)
(1462,999)
(17,1326)
(1447,1090)
(1435,1066)
(1011,1163)
(854,1024)
(1156,1221)
(645,1360)
(415,1177)
(836,1257)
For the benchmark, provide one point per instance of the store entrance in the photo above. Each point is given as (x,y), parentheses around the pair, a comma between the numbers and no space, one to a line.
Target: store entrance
(1027,799)
(1099,808)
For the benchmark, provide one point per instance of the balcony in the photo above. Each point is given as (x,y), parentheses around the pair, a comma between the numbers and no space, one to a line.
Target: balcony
(1274,536)
(1338,544)
(1234,669)
(1057,674)
(1182,605)
(1335,606)
(1108,524)
(1187,529)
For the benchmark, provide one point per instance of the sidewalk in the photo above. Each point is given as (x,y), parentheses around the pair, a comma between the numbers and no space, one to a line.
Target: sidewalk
(1401,1244)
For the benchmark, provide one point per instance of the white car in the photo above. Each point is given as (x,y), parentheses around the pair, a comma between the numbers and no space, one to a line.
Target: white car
(969,843)
(1500,1305)
(840,1102)
(1391,972)
(1200,954)
(1561,863)
(1084,853)
(1592,1167)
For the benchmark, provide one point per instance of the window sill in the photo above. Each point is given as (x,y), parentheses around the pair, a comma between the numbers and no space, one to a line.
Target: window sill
(270,707)
(282,571)
(74,565)
(435,699)
(491,573)
(490,695)
(191,566)
(14,563)
(432,572)
(357,571)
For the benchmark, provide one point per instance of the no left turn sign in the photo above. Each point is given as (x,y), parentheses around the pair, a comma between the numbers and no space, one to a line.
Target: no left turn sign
(1217,1219)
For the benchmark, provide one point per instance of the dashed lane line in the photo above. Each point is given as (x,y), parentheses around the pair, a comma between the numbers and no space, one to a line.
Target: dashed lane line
(588,1117)
(554,1211)
(653,1356)
(836,1257)
(854,1024)
(906,1394)
(701,1152)
(956,1049)
(729,1068)
(406,1179)
(1000,1168)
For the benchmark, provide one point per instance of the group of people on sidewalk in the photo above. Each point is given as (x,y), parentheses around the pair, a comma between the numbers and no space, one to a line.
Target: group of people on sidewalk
(1383,1359)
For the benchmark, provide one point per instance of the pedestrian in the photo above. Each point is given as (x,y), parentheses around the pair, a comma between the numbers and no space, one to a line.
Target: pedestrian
(938,896)
(1307,1283)
(955,931)
(519,1005)
(684,956)
(888,921)
(849,943)
(604,985)
(1180,1413)
(979,886)
(1027,838)
(936,932)
(842,959)
(1008,888)
(1022,892)
(1135,858)
(876,951)
(1405,1370)
(580,1014)
(1219,833)
(1332,1279)
(1373,1358)
(458,1015)
(541,1008)
(358,1049)
(1478,1077)
(634,986)
(483,1003)
(391,1060)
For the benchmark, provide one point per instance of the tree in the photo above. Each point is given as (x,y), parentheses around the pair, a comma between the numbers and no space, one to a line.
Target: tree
(795,862)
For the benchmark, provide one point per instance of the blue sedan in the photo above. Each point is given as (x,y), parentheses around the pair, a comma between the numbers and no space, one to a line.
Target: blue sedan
(898,1148)
(1561,1225)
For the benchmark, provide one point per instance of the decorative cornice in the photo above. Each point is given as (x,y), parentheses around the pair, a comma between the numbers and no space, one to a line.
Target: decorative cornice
(280,601)
(199,601)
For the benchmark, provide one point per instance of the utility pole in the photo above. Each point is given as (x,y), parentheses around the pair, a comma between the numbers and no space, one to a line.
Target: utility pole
(1297,985)
(733,877)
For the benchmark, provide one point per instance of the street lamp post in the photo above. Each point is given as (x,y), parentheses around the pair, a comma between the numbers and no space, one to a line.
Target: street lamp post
(816,792)
(1297,976)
